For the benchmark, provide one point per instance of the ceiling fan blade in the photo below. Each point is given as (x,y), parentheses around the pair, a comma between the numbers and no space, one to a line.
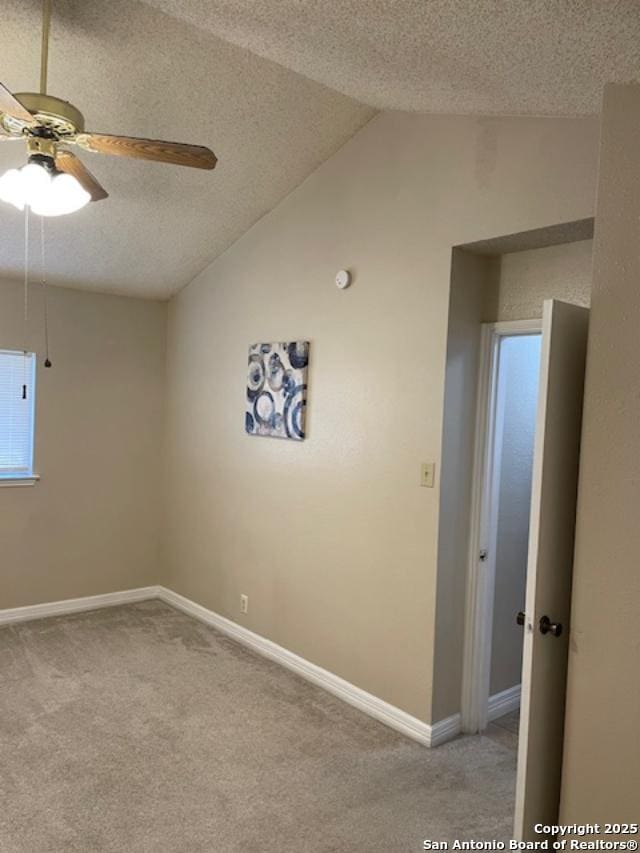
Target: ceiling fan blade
(148,149)
(69,163)
(12,107)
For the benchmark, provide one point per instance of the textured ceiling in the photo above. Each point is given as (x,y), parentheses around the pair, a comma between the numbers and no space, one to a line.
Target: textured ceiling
(522,57)
(275,87)
(134,70)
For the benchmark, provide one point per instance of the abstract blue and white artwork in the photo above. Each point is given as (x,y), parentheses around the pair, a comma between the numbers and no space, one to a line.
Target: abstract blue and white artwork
(277,389)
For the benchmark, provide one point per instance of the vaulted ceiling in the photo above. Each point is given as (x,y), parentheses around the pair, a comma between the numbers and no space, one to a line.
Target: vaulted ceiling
(274,87)
(521,57)
(133,70)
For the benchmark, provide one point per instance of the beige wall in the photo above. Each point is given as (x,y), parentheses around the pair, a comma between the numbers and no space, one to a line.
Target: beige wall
(526,279)
(91,524)
(601,773)
(472,302)
(333,539)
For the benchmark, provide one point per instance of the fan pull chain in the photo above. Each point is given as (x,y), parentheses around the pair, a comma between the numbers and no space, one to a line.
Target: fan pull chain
(26,300)
(43,281)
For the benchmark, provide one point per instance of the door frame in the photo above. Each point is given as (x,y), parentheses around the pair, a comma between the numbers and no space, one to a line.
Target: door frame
(478,624)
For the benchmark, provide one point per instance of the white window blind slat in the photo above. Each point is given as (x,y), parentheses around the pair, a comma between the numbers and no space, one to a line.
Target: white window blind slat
(17,369)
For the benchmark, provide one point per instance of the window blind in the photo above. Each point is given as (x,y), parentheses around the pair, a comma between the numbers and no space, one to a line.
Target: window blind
(17,369)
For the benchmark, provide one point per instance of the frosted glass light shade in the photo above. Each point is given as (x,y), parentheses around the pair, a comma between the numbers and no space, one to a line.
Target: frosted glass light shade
(45,194)
(35,182)
(64,195)
(12,189)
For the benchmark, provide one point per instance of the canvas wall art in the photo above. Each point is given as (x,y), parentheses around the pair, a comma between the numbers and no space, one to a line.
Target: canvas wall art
(277,389)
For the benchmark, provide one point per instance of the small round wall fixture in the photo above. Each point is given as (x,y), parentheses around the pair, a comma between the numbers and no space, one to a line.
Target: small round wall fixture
(343,279)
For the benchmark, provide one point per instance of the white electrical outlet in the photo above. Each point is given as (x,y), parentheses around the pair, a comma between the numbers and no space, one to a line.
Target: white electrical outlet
(244,604)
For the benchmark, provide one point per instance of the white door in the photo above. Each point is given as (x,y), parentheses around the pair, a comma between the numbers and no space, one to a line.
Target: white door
(550,562)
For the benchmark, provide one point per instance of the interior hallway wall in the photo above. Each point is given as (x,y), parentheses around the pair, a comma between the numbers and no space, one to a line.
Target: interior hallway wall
(333,539)
(91,525)
(473,301)
(601,770)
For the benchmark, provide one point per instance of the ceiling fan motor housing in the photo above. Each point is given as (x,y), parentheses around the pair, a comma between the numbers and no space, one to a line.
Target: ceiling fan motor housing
(54,114)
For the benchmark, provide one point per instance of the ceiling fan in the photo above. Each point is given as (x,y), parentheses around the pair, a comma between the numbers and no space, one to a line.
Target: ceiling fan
(55,181)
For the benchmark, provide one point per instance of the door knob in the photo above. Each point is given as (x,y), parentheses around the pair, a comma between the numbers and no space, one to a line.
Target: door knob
(549,627)
(520,617)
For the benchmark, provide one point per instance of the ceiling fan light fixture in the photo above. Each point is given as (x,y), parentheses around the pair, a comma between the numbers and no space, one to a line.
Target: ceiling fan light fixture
(35,179)
(63,195)
(11,189)
(56,182)
(43,189)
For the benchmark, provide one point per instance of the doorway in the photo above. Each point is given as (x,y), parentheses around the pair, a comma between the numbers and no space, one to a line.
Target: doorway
(551,488)
(493,285)
(501,503)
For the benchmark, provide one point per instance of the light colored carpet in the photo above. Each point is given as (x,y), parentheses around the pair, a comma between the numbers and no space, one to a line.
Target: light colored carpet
(137,729)
(505,729)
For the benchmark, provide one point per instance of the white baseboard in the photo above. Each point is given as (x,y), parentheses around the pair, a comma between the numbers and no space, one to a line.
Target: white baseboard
(373,706)
(377,708)
(446,729)
(499,704)
(503,703)
(76,605)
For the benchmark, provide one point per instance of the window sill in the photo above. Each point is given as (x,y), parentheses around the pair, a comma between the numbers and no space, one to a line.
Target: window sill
(19,481)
